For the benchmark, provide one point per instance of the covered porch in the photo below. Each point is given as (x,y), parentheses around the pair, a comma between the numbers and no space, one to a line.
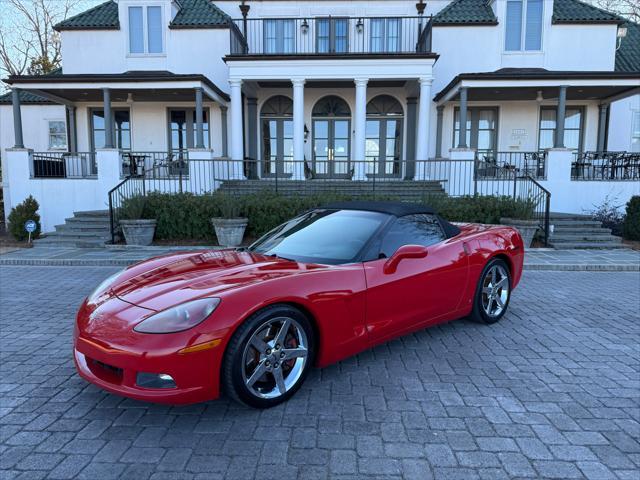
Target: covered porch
(510,111)
(130,112)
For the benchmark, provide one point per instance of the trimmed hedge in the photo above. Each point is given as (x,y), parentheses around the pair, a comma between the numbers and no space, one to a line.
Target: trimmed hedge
(481,209)
(187,216)
(27,210)
(631,226)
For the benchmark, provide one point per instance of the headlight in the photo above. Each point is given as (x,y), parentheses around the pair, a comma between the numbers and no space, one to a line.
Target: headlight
(181,317)
(104,285)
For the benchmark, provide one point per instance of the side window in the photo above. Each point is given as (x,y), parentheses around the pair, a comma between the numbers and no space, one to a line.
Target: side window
(421,229)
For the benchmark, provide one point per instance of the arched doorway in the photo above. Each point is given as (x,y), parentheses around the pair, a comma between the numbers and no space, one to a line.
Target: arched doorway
(331,118)
(276,120)
(383,148)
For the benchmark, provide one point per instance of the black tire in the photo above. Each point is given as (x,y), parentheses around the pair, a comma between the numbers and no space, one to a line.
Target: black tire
(233,374)
(479,314)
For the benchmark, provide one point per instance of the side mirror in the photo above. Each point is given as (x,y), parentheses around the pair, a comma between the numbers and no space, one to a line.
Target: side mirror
(404,252)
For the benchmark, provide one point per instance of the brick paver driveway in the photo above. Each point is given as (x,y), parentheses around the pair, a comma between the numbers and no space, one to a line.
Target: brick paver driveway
(551,391)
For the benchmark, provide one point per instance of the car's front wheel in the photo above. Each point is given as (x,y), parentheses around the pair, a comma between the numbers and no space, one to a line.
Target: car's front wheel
(493,292)
(269,356)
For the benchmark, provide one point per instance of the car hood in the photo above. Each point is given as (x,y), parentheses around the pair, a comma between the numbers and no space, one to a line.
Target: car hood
(162,282)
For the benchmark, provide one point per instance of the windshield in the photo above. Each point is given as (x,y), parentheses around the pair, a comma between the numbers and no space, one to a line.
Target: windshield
(322,236)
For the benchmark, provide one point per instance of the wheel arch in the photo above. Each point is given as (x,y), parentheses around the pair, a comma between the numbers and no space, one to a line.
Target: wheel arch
(505,258)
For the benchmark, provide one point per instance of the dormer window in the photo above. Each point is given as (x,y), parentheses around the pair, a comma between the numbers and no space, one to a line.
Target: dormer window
(523,25)
(145,30)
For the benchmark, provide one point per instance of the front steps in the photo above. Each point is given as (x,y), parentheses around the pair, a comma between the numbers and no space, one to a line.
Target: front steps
(90,229)
(581,232)
(404,190)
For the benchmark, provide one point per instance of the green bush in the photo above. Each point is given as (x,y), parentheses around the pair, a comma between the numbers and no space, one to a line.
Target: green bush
(187,216)
(631,227)
(480,209)
(27,210)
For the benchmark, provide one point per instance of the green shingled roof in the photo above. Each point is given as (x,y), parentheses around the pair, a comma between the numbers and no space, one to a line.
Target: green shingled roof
(101,17)
(26,98)
(199,14)
(466,12)
(574,11)
(628,55)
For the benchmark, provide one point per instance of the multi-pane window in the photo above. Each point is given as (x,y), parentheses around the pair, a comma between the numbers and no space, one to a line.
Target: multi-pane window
(121,128)
(523,25)
(572,128)
(385,35)
(183,131)
(481,129)
(57,134)
(279,36)
(332,35)
(145,30)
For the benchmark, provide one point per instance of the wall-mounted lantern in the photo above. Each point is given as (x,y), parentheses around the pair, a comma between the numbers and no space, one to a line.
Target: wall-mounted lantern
(304,26)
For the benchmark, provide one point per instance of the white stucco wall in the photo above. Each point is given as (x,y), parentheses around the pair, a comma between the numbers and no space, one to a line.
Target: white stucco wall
(620,124)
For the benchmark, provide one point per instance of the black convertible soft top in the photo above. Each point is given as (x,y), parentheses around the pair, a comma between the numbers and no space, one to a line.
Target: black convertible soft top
(397,209)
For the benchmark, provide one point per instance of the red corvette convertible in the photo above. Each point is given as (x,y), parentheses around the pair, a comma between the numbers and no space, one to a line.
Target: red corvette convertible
(321,287)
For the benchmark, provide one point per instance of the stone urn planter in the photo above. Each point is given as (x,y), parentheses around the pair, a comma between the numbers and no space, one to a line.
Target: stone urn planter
(229,231)
(138,232)
(527,228)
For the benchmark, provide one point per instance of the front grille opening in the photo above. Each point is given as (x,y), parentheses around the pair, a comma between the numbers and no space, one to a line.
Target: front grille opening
(106,372)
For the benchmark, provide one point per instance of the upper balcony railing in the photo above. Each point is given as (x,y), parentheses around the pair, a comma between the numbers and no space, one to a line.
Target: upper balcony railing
(330,36)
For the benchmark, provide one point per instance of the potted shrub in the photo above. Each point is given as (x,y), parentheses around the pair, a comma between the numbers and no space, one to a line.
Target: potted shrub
(137,229)
(230,225)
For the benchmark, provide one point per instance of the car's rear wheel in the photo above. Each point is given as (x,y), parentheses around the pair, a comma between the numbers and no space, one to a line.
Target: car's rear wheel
(269,356)
(493,292)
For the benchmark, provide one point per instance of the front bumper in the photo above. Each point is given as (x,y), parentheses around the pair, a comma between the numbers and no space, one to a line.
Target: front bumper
(115,369)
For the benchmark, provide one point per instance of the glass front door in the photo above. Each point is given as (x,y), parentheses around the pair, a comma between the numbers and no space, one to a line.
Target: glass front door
(384,137)
(331,147)
(277,146)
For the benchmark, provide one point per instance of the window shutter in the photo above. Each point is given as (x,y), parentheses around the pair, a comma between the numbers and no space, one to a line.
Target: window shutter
(533,33)
(136,35)
(514,25)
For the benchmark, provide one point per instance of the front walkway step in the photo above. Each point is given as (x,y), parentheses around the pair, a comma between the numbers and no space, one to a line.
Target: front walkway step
(574,231)
(90,229)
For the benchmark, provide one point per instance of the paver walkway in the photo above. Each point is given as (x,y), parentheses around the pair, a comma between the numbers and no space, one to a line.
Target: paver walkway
(535,259)
(550,391)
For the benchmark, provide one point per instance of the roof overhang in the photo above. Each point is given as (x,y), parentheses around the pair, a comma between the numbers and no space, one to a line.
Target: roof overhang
(603,86)
(144,86)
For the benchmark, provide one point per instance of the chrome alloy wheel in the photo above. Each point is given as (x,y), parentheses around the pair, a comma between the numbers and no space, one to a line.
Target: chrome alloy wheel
(495,291)
(274,357)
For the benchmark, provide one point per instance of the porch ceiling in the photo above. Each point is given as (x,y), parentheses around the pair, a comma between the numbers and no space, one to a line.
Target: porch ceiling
(501,93)
(524,84)
(143,86)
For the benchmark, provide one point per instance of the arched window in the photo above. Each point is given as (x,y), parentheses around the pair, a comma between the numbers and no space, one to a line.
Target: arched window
(331,137)
(383,147)
(276,119)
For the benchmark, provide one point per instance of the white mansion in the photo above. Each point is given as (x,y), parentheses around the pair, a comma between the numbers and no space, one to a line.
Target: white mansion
(269,84)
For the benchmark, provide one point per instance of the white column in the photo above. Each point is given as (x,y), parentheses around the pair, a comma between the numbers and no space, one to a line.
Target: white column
(237,140)
(237,147)
(298,128)
(360,124)
(424,114)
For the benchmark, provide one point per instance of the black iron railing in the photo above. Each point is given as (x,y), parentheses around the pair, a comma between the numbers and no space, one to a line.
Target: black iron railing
(606,166)
(507,164)
(72,165)
(330,36)
(399,180)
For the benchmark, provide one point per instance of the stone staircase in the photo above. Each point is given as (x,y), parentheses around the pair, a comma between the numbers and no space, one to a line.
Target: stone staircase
(571,231)
(90,229)
(403,190)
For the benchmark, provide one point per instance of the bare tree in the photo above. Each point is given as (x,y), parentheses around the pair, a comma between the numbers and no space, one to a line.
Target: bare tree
(28,42)
(629,9)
